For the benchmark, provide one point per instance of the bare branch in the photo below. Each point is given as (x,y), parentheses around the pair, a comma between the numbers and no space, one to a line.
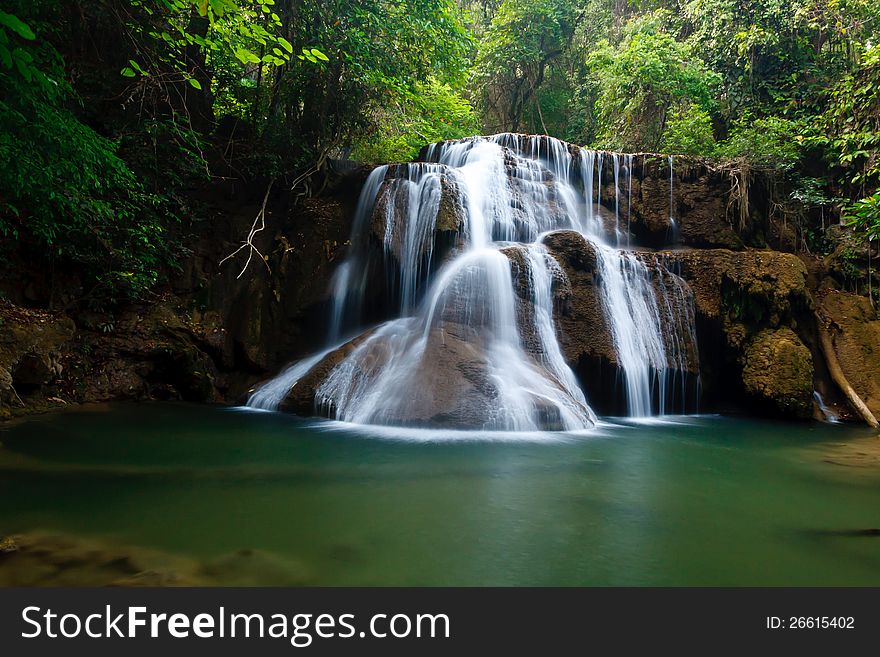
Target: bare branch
(258,226)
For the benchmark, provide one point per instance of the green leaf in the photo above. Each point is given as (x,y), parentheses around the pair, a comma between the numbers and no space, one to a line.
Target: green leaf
(195,84)
(127,72)
(16,25)
(26,71)
(317,53)
(285,44)
(245,56)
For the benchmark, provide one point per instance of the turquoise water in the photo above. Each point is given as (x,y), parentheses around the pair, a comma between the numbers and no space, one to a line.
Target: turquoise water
(694,501)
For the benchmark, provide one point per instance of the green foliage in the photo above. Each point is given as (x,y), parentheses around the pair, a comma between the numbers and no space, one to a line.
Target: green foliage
(638,81)
(246,29)
(16,51)
(851,134)
(523,43)
(772,142)
(864,216)
(432,113)
(689,132)
(114,110)
(65,192)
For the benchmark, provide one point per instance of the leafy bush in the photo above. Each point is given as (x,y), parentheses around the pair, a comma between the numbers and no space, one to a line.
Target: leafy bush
(433,113)
(864,216)
(637,81)
(689,132)
(773,141)
(64,191)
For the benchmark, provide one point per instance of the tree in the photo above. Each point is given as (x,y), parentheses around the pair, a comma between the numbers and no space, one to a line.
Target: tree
(637,83)
(66,194)
(525,40)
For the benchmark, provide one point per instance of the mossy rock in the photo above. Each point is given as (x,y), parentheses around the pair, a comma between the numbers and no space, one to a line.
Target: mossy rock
(778,372)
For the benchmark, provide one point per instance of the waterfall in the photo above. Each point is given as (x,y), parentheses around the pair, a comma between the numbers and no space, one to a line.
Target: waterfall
(615,159)
(350,279)
(269,396)
(473,341)
(827,413)
(629,195)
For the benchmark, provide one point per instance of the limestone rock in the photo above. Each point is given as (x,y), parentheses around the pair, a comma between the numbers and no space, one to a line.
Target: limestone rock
(753,286)
(778,370)
(585,335)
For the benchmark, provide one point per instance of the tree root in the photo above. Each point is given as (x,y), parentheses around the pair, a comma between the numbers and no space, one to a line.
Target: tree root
(840,378)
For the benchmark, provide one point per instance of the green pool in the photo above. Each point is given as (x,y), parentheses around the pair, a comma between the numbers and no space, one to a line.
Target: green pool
(227,496)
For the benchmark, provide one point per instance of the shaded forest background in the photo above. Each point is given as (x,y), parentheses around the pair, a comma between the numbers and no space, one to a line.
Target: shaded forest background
(113,111)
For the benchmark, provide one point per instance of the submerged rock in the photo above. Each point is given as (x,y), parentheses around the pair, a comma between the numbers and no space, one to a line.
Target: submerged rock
(778,369)
(54,559)
(8,544)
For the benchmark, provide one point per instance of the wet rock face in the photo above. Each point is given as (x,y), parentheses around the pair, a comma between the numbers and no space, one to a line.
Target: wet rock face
(453,388)
(301,398)
(739,294)
(753,286)
(700,204)
(585,335)
(390,225)
(32,344)
(778,371)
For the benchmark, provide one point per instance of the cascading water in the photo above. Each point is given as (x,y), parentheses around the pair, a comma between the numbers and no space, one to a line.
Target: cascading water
(350,280)
(475,342)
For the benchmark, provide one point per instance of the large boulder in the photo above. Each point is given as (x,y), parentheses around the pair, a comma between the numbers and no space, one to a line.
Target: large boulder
(778,372)
(452,387)
(584,332)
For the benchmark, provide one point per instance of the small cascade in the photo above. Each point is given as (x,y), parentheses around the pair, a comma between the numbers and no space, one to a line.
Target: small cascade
(588,164)
(350,279)
(827,413)
(615,160)
(411,203)
(269,396)
(399,376)
(629,303)
(629,195)
(473,293)
(673,224)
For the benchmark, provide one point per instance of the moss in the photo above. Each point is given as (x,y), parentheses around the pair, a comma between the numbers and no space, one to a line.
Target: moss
(450,214)
(778,368)
(748,286)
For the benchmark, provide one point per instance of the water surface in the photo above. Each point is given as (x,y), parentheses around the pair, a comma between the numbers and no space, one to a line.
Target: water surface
(693,501)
